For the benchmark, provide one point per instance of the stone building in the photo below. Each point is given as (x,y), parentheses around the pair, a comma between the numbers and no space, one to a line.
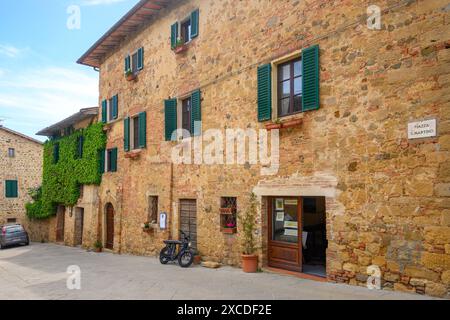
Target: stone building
(74,225)
(20,171)
(363,181)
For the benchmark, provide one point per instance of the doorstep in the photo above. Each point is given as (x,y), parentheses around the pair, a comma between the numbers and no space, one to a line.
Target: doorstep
(294,274)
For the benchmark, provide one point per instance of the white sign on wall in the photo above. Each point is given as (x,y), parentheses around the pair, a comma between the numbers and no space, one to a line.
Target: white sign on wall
(422,129)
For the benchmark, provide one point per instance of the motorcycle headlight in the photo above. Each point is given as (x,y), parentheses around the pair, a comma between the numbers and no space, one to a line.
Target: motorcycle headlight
(190,244)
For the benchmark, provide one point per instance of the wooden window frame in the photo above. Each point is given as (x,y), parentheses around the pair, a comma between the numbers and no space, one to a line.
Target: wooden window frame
(153,215)
(274,75)
(181,25)
(132,129)
(291,80)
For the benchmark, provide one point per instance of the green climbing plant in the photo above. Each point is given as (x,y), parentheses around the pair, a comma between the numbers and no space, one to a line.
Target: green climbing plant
(61,179)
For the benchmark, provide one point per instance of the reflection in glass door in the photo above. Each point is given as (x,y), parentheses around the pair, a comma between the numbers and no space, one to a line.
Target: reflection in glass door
(285,233)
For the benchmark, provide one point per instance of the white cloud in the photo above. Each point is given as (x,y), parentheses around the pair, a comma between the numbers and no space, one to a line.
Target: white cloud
(31,100)
(10,51)
(99,2)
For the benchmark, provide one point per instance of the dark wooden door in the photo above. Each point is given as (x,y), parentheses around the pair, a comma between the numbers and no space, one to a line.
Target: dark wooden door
(285,233)
(188,219)
(109,227)
(79,222)
(60,217)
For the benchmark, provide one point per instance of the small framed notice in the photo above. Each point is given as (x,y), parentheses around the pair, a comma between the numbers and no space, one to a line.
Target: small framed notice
(163,220)
(280,216)
(279,204)
(422,129)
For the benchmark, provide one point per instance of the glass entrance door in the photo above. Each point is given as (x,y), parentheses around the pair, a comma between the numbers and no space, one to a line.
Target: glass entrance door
(285,236)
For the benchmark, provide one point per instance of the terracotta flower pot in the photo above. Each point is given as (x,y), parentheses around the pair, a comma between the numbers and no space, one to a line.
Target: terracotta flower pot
(98,250)
(180,49)
(250,263)
(131,77)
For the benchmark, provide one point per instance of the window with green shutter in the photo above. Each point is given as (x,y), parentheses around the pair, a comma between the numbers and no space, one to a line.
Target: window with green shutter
(112,160)
(174,35)
(79,149)
(310,58)
(196,114)
(170,115)
(194,23)
(11,189)
(142,131)
(115,107)
(126,134)
(140,58)
(264,92)
(127,63)
(104,111)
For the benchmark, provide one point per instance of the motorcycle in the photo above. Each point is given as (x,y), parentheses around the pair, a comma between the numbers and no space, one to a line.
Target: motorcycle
(185,254)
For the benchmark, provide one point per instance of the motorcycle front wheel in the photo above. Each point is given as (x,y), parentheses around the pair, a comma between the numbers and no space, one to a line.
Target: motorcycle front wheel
(164,256)
(185,259)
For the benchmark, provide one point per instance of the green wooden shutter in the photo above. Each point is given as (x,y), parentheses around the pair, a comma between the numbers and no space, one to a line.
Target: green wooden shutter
(114,160)
(310,59)
(102,156)
(174,35)
(196,113)
(80,142)
(8,189)
(142,129)
(194,23)
(115,106)
(126,134)
(127,63)
(11,189)
(170,111)
(264,92)
(104,111)
(140,62)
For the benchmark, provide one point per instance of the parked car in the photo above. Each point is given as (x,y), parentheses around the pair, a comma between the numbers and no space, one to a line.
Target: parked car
(13,234)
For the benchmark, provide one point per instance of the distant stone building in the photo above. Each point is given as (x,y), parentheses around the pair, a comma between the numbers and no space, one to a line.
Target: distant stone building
(364,151)
(74,225)
(20,171)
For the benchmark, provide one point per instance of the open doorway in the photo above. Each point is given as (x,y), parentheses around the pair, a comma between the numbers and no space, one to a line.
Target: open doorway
(314,230)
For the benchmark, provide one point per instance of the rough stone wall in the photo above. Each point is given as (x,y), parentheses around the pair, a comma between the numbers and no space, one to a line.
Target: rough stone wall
(26,168)
(387,197)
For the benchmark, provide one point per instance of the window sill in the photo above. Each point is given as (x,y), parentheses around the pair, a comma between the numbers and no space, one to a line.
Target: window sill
(286,122)
(134,154)
(181,48)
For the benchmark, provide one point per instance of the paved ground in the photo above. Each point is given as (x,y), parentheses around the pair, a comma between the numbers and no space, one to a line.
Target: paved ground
(39,272)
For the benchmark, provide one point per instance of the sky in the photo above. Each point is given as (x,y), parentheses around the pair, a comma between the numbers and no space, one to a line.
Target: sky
(40,42)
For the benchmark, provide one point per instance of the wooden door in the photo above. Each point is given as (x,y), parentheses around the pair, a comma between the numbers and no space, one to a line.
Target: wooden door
(188,219)
(79,222)
(60,217)
(109,227)
(285,236)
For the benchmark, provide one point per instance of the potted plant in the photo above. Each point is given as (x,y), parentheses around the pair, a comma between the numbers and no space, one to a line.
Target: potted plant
(98,246)
(130,75)
(148,226)
(180,46)
(248,241)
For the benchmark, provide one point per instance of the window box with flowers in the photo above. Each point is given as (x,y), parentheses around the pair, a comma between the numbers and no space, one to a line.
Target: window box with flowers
(149,227)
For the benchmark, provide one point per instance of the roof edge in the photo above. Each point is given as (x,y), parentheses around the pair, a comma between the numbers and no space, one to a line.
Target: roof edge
(20,135)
